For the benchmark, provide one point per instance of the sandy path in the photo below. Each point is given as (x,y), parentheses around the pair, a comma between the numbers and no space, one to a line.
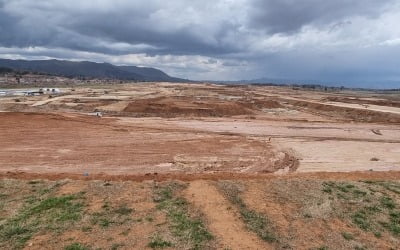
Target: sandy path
(372,107)
(46,101)
(222,220)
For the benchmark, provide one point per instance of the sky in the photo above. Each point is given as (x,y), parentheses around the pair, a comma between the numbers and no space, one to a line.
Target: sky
(352,42)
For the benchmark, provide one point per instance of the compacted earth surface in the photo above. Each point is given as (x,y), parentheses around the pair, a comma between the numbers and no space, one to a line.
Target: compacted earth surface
(200,166)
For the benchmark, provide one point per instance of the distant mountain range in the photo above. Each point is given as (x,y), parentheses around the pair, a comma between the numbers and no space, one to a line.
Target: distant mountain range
(89,70)
(360,84)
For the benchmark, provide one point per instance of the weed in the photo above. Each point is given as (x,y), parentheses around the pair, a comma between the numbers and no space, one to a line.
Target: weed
(76,246)
(187,229)
(86,229)
(360,218)
(358,193)
(158,242)
(101,219)
(116,246)
(327,189)
(254,221)
(104,222)
(359,248)
(125,233)
(391,186)
(149,219)
(307,215)
(373,209)
(106,205)
(388,202)
(380,206)
(347,236)
(394,223)
(110,216)
(14,230)
(33,182)
(58,208)
(50,213)
(123,210)
(345,188)
(257,223)
(378,234)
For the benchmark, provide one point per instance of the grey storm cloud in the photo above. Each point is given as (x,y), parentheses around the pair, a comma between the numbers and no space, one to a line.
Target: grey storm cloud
(218,39)
(91,28)
(285,16)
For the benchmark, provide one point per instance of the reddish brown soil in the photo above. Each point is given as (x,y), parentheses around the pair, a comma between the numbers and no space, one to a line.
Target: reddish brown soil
(184,106)
(303,217)
(259,104)
(122,161)
(390,175)
(350,114)
(223,221)
(54,143)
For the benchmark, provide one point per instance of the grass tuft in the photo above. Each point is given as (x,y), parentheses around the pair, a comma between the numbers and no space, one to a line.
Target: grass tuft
(76,246)
(158,242)
(373,211)
(254,221)
(347,236)
(52,213)
(188,230)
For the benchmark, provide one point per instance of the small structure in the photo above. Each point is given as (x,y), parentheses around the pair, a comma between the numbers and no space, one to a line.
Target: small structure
(50,90)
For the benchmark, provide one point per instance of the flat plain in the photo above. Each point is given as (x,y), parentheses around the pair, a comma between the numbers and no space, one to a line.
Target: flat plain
(200,166)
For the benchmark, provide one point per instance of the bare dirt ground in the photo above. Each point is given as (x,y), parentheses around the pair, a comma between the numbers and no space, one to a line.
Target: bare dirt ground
(193,128)
(200,166)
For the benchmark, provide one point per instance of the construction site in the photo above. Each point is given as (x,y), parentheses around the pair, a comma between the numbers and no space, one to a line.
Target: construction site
(199,166)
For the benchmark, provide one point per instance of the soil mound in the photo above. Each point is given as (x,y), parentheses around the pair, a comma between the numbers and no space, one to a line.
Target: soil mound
(386,103)
(262,104)
(176,106)
(352,114)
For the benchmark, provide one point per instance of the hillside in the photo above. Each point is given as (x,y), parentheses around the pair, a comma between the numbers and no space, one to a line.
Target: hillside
(89,70)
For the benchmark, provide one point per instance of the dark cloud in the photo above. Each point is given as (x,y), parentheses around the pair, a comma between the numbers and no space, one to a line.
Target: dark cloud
(91,30)
(220,39)
(286,16)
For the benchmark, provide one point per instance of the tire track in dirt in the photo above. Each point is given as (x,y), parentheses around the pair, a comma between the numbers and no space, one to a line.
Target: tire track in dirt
(222,219)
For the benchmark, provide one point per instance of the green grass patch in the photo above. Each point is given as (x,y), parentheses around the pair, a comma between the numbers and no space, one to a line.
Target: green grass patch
(188,230)
(388,202)
(110,216)
(102,219)
(123,210)
(116,246)
(388,185)
(33,182)
(361,219)
(254,221)
(368,204)
(51,213)
(347,236)
(158,242)
(76,246)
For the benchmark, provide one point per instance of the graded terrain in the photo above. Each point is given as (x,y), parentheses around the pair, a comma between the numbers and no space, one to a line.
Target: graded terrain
(200,166)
